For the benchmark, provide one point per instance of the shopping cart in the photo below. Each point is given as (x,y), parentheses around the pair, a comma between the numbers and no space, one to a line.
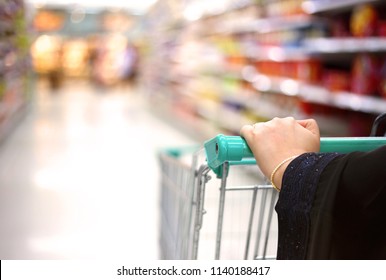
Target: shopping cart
(239,216)
(178,177)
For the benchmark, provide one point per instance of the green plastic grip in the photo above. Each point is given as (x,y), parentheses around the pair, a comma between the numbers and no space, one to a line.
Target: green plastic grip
(235,150)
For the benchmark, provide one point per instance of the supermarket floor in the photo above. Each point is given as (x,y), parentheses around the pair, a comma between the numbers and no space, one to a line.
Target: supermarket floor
(79,176)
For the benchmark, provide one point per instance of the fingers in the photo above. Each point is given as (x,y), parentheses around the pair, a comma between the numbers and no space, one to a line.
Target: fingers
(311,125)
(280,125)
(249,132)
(245,130)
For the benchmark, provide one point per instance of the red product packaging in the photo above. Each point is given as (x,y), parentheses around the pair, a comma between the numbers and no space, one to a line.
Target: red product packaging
(311,71)
(365,74)
(382,28)
(336,80)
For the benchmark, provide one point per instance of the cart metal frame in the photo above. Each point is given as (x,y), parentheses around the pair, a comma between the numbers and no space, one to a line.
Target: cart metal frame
(184,189)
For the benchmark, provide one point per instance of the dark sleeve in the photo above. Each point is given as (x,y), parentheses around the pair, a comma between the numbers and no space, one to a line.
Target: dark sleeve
(332,207)
(348,217)
(299,184)
(363,176)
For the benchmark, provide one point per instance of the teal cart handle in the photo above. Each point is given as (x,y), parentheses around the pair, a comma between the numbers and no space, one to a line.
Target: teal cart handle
(235,150)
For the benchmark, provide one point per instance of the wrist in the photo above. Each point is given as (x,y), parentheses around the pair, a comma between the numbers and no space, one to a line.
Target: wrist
(278,172)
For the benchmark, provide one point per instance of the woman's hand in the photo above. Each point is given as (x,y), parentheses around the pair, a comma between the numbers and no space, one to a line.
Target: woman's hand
(278,139)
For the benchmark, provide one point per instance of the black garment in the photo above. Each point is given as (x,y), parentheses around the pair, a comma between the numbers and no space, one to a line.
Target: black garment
(333,206)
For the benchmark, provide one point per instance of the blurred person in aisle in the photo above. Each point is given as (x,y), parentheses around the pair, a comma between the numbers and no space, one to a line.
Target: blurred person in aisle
(331,205)
(47,58)
(113,60)
(129,63)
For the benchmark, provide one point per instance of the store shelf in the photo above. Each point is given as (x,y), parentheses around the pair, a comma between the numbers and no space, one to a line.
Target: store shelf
(14,66)
(319,6)
(367,104)
(345,45)
(249,67)
(218,10)
(266,25)
(320,95)
(277,53)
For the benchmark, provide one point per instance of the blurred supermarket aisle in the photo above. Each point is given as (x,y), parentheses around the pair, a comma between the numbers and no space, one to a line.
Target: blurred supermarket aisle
(79,176)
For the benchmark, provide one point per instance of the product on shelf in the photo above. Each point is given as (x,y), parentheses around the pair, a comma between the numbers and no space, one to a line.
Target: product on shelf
(364,21)
(303,70)
(283,8)
(365,74)
(382,28)
(336,80)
